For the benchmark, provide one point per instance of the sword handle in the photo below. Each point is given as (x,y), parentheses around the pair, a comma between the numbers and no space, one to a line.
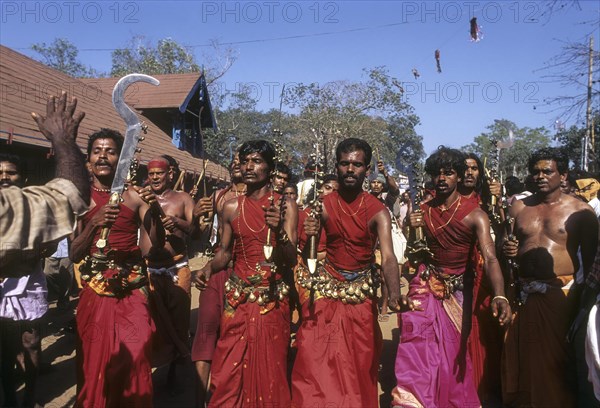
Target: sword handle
(103,240)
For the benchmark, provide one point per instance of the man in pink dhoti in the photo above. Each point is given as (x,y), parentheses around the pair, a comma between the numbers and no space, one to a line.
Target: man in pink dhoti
(433,366)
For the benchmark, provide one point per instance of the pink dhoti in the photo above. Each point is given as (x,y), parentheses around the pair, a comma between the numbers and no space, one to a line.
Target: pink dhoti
(433,368)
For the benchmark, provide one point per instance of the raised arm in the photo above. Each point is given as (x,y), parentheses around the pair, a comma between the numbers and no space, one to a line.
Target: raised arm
(60,126)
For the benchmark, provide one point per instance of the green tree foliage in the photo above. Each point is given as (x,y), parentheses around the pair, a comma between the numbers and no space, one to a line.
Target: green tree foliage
(373,109)
(513,160)
(571,141)
(167,57)
(62,55)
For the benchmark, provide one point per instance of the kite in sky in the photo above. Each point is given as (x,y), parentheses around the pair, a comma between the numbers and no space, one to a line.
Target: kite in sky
(437,61)
(476,34)
(415,73)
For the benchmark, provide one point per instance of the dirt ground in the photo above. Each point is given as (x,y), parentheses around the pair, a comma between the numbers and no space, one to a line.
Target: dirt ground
(57,382)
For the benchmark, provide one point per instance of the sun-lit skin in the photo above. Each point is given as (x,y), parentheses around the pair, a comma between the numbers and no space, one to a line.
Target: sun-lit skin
(546,176)
(158,179)
(471,174)
(9,175)
(352,169)
(103,160)
(255,169)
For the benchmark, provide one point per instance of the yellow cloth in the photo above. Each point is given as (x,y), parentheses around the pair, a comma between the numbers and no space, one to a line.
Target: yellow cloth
(587,188)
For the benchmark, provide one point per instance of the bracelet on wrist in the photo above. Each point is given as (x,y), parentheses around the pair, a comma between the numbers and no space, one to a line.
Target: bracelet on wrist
(501,298)
(283,238)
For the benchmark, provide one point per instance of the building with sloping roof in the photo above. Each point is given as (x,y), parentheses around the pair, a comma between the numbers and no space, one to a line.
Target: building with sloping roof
(25,85)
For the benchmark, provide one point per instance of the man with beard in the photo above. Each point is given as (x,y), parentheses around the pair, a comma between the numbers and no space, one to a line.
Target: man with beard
(549,227)
(485,340)
(22,305)
(34,218)
(168,270)
(113,316)
(210,306)
(250,362)
(433,343)
(339,341)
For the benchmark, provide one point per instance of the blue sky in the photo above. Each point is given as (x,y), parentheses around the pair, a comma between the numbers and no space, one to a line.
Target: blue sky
(490,79)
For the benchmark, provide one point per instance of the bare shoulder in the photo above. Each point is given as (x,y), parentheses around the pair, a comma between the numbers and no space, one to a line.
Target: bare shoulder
(576,204)
(132,199)
(183,197)
(229,209)
(476,217)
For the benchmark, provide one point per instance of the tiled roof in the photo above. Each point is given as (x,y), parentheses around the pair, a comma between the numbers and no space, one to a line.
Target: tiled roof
(25,85)
(175,89)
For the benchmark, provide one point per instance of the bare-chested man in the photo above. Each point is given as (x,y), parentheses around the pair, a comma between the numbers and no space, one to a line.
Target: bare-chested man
(550,227)
(210,306)
(168,269)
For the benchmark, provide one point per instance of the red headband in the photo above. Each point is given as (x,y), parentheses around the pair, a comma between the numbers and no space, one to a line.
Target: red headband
(158,164)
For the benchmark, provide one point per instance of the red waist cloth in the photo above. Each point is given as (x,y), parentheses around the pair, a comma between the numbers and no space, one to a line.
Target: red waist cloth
(450,240)
(249,368)
(113,356)
(350,241)
(250,234)
(339,347)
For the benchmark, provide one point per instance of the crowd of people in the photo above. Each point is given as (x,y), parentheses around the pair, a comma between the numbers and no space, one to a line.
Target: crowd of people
(502,281)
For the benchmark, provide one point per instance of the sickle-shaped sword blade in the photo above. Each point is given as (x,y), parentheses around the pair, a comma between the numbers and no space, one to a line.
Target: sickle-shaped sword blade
(134,127)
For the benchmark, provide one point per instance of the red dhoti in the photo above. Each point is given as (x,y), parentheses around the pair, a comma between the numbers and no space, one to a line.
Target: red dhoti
(250,363)
(339,346)
(210,309)
(115,342)
(249,367)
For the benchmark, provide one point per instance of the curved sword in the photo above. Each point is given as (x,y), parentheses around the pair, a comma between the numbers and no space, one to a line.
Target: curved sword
(134,127)
(132,138)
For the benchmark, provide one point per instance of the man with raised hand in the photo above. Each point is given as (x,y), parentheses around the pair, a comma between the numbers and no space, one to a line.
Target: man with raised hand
(34,218)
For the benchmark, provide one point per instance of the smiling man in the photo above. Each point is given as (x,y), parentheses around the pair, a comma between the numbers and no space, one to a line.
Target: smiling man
(168,270)
(339,341)
(550,227)
(113,317)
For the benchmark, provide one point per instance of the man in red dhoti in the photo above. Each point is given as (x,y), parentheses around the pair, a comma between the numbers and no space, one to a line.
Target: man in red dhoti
(486,338)
(113,318)
(250,363)
(339,341)
(210,305)
(433,367)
